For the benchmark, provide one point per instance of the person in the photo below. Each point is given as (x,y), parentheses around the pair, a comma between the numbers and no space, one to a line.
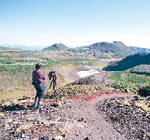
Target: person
(54,79)
(38,78)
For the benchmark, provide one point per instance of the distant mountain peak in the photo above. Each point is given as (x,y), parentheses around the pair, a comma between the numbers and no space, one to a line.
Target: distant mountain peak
(102,44)
(57,46)
(117,48)
(119,43)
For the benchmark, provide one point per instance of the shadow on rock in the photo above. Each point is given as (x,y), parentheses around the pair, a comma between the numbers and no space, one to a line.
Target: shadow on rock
(16,107)
(144,91)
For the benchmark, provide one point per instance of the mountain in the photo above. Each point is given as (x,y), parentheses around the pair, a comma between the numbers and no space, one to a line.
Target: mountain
(21,47)
(117,48)
(6,48)
(129,62)
(139,50)
(57,47)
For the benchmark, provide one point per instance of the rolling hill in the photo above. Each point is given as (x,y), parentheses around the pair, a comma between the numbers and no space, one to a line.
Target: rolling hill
(116,48)
(56,47)
(129,62)
(139,50)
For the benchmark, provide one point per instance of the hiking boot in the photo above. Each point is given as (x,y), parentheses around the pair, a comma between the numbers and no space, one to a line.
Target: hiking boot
(39,107)
(40,110)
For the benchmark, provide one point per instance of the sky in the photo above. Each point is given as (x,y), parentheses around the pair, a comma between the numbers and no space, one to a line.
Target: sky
(75,22)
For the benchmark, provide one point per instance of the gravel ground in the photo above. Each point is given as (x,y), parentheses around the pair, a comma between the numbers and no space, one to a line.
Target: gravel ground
(93,125)
(73,119)
(129,116)
(107,114)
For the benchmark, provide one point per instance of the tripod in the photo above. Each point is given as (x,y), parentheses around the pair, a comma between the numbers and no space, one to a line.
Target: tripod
(53,82)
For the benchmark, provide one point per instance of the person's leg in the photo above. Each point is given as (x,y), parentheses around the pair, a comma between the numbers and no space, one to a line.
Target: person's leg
(40,95)
(39,103)
(35,100)
(36,96)
(53,85)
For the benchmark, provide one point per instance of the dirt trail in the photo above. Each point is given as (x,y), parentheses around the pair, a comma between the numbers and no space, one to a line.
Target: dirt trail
(88,123)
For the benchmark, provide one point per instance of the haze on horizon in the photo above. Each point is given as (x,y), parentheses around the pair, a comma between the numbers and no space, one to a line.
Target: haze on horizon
(75,22)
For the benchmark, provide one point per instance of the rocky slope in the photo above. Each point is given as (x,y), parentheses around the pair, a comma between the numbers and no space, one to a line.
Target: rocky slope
(129,116)
(73,113)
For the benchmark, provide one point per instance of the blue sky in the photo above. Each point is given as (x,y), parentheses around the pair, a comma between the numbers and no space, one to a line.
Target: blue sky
(75,22)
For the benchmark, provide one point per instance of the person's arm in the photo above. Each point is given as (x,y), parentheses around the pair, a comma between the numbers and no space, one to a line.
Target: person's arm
(41,76)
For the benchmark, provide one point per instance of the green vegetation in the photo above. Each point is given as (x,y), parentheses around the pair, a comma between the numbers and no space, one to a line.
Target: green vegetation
(129,62)
(15,77)
(16,68)
(129,82)
(131,72)
(141,69)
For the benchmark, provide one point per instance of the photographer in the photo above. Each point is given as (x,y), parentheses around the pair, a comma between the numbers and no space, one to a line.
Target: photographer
(38,78)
